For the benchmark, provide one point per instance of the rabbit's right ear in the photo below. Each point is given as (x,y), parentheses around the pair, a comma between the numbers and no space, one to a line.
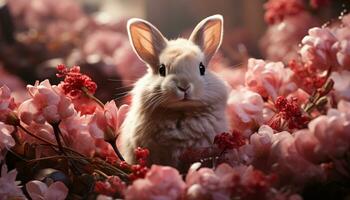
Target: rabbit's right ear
(146,40)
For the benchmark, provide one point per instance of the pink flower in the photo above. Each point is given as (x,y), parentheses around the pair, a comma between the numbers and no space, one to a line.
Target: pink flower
(342,49)
(268,79)
(161,182)
(280,41)
(6,140)
(290,166)
(38,190)
(226,141)
(341,84)
(9,188)
(15,84)
(206,184)
(332,132)
(277,10)
(105,123)
(35,13)
(104,42)
(128,65)
(113,186)
(317,48)
(245,109)
(7,103)
(75,129)
(308,146)
(226,182)
(46,104)
(262,140)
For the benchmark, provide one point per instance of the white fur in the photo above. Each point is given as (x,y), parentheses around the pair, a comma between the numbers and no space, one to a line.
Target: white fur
(159,120)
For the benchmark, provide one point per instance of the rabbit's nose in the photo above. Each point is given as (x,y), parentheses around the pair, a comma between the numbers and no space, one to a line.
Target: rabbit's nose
(183,89)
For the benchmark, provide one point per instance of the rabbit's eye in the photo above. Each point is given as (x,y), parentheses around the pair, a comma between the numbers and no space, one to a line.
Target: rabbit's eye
(201,69)
(161,70)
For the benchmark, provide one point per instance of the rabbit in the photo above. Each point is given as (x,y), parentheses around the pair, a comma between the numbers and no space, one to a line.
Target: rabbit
(179,103)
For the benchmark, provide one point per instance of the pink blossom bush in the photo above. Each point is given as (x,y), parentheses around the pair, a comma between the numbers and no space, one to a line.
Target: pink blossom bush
(6,140)
(277,152)
(108,120)
(9,188)
(75,128)
(245,109)
(38,190)
(34,12)
(47,104)
(128,66)
(226,182)
(334,125)
(161,182)
(317,48)
(7,103)
(281,40)
(268,79)
(341,84)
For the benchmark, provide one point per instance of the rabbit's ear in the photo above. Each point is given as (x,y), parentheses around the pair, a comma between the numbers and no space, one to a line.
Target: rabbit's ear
(146,40)
(208,35)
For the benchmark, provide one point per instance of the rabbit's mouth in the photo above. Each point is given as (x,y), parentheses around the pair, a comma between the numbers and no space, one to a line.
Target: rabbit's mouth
(185,102)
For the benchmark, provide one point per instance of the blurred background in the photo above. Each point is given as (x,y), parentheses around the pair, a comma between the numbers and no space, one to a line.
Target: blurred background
(37,35)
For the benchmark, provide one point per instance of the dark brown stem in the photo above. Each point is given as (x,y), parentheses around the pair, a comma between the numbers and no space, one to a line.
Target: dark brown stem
(116,150)
(57,133)
(91,96)
(48,142)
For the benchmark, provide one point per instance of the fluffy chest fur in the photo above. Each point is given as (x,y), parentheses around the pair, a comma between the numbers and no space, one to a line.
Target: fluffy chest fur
(168,133)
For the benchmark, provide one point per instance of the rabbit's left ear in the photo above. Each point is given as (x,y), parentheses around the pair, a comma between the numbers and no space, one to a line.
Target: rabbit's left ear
(208,35)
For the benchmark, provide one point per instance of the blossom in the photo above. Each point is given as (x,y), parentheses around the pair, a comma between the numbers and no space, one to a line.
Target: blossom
(277,10)
(245,109)
(9,186)
(226,182)
(161,182)
(317,48)
(6,140)
(281,40)
(289,113)
(46,104)
(38,190)
(106,123)
(127,64)
(7,103)
(331,132)
(35,13)
(227,141)
(289,165)
(341,84)
(75,83)
(269,79)
(113,186)
(342,49)
(75,128)
(261,141)
(306,76)
(104,42)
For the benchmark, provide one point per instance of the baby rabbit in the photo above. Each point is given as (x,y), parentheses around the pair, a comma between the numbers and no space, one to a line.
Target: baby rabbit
(179,103)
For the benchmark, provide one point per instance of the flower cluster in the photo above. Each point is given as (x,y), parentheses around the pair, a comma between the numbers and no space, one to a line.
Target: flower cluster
(227,141)
(288,114)
(75,83)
